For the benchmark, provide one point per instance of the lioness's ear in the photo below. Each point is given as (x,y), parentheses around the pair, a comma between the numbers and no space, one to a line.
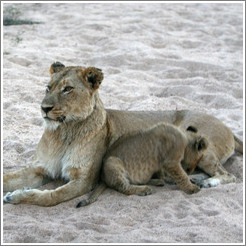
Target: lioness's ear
(92,77)
(201,144)
(56,67)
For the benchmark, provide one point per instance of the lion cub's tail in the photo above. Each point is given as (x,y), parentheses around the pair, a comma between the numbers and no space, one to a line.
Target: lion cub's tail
(238,145)
(93,196)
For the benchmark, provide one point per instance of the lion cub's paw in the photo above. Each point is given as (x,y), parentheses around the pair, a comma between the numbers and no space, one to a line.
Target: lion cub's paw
(193,189)
(83,203)
(17,196)
(146,191)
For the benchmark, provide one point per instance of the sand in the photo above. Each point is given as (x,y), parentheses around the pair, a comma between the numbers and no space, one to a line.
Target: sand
(155,56)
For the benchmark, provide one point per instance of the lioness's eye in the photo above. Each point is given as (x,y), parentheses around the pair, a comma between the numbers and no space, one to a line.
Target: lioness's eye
(67,89)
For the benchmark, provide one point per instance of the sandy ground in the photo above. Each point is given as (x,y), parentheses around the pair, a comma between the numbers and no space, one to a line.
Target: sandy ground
(154,56)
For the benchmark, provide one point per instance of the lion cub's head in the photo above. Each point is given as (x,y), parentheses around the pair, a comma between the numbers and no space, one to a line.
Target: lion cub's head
(194,150)
(70,94)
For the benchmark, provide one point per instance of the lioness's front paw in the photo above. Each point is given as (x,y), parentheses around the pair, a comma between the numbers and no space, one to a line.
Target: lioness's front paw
(209,183)
(216,180)
(198,178)
(17,196)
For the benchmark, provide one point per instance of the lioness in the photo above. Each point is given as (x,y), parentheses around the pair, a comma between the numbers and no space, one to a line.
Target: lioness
(78,131)
(132,160)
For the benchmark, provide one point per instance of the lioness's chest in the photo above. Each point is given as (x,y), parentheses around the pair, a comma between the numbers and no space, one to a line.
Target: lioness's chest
(57,157)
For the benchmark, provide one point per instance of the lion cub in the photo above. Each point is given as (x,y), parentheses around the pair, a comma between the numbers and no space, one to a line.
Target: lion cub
(163,149)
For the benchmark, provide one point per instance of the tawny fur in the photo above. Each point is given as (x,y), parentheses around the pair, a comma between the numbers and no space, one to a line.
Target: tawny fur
(78,132)
(131,161)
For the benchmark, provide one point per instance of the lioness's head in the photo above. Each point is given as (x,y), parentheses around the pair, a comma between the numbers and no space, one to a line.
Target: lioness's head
(194,150)
(70,94)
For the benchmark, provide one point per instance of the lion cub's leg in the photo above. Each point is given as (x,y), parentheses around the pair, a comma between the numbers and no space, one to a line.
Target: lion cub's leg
(32,177)
(116,176)
(158,179)
(180,177)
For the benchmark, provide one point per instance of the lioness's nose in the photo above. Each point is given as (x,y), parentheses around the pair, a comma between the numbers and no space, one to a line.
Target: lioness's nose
(46,109)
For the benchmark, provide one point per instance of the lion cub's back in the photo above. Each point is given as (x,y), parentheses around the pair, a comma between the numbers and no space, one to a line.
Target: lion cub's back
(144,151)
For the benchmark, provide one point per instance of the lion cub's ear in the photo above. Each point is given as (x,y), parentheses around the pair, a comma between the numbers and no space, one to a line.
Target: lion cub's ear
(201,144)
(56,67)
(92,77)
(191,129)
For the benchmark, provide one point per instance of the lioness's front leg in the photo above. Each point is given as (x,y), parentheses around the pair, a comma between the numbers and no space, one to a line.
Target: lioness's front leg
(76,187)
(47,198)
(32,177)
